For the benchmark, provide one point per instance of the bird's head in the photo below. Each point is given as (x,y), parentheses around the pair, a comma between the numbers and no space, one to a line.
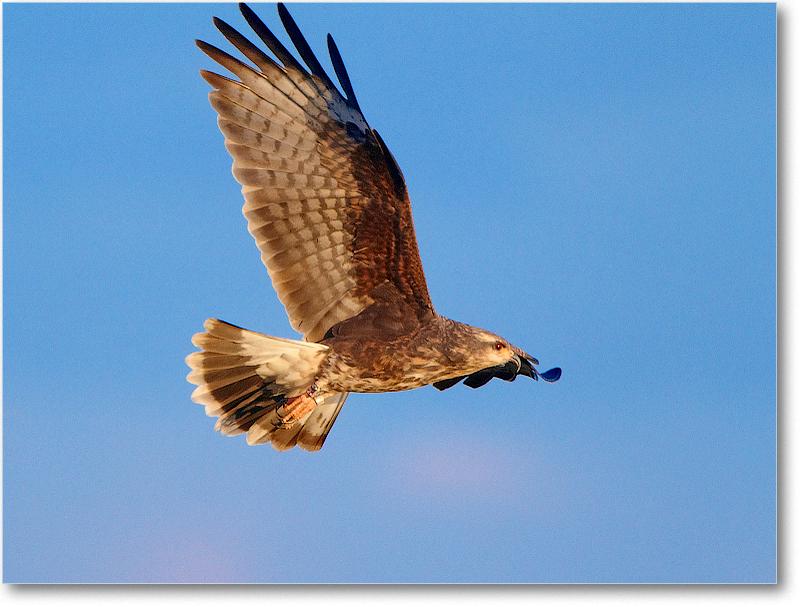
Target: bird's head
(486,355)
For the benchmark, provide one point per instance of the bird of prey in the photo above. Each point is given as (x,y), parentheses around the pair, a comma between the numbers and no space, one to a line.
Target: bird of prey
(330,213)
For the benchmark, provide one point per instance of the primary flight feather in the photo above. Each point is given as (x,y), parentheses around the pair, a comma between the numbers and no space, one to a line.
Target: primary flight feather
(329,210)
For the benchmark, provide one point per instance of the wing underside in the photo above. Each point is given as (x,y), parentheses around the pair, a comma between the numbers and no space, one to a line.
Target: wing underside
(324,199)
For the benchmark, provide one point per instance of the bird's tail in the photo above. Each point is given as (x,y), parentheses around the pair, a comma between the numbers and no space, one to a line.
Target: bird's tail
(244,377)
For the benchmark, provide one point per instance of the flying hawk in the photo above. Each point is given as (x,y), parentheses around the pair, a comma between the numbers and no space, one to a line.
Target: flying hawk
(330,213)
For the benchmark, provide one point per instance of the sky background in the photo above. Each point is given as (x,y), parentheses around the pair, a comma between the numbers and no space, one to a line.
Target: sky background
(596,183)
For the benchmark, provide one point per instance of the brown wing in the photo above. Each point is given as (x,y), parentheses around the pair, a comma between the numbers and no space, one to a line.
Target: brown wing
(324,198)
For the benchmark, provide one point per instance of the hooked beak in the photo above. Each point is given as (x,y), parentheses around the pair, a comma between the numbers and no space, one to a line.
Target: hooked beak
(526,368)
(525,365)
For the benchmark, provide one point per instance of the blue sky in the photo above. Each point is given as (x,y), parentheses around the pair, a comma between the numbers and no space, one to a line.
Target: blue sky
(596,183)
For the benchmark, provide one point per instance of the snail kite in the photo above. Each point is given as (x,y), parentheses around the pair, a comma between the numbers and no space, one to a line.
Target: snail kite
(330,213)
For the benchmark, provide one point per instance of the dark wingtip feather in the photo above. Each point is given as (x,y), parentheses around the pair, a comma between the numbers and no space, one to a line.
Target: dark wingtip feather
(248,49)
(303,47)
(268,38)
(341,73)
(213,52)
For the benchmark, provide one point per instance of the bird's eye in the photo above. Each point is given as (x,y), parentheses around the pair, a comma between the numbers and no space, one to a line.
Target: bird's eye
(499,346)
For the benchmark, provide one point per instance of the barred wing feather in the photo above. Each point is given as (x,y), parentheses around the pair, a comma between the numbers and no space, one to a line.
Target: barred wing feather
(324,199)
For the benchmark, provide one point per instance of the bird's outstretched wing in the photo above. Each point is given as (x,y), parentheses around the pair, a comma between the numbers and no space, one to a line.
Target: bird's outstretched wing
(324,198)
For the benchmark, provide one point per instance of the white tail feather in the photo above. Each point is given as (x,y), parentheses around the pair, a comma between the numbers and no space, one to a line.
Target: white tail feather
(242,377)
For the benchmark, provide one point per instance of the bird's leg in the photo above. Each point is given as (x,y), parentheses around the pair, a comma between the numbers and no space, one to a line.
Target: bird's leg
(294,409)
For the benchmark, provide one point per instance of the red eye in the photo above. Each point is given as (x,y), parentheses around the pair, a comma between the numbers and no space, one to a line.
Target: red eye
(498,346)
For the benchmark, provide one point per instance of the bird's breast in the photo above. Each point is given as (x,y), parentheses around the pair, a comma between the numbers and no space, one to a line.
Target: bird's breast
(392,370)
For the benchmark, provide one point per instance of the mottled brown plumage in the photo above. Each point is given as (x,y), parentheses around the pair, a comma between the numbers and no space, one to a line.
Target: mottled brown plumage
(329,210)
